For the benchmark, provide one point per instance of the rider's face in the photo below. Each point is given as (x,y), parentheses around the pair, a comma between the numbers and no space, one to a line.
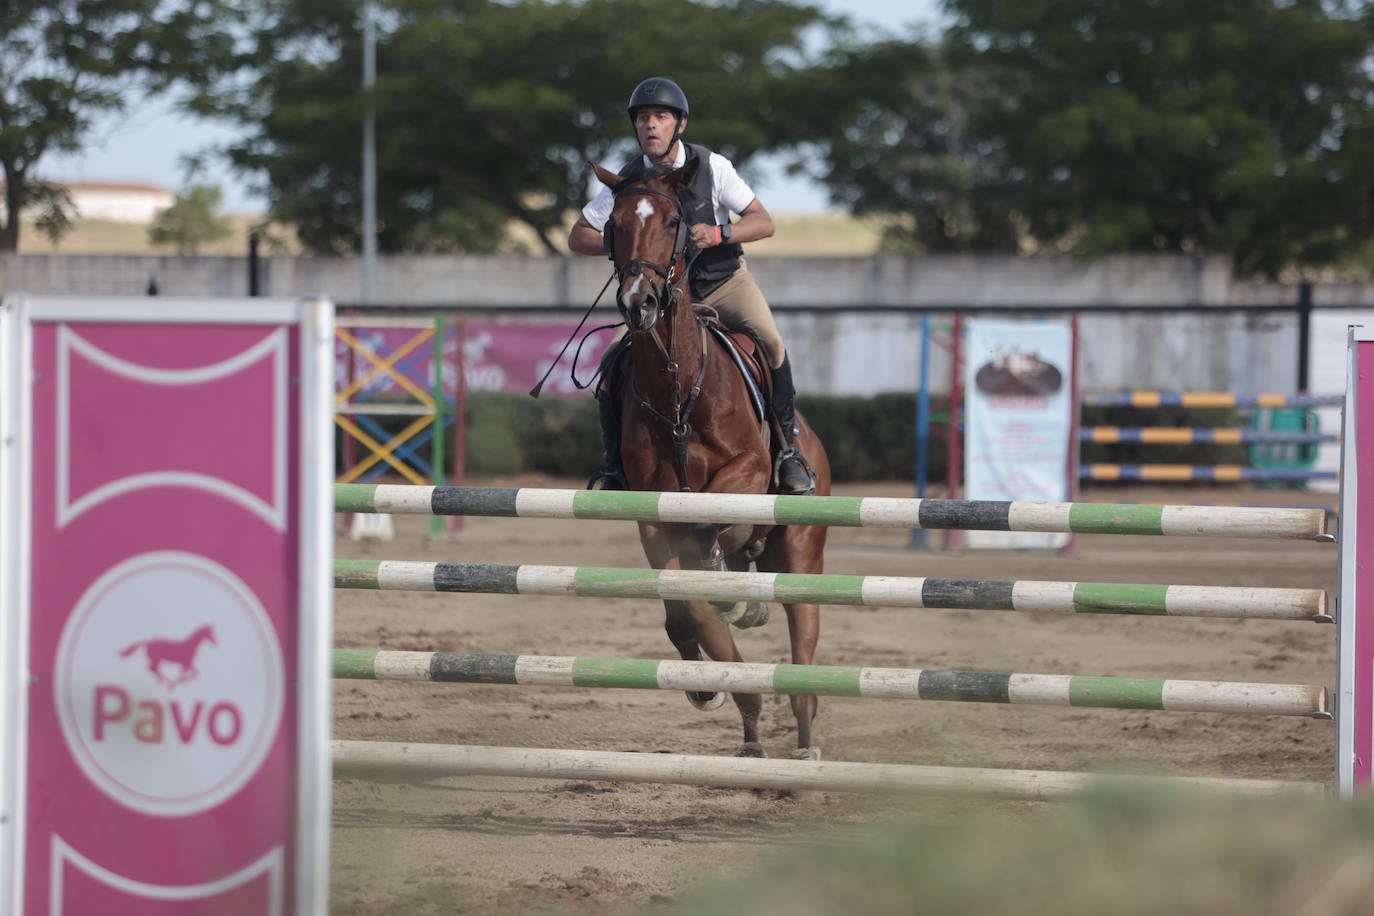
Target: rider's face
(654,128)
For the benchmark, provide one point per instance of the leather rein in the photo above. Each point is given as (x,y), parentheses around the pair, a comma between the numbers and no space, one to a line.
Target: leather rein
(668,295)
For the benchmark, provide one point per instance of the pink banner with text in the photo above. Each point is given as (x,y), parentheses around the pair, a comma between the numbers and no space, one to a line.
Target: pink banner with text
(496,356)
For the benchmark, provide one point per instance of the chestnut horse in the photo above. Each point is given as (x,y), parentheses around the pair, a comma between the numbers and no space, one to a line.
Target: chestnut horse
(688,425)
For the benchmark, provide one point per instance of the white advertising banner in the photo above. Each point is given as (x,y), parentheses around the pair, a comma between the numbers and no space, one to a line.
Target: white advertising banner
(1018,420)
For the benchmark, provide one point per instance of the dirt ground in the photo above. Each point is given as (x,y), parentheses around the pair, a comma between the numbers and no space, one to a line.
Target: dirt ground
(500,845)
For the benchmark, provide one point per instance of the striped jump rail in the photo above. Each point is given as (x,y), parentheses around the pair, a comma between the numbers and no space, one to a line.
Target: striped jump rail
(836,511)
(1185,435)
(390,759)
(823,680)
(1203,399)
(1197,472)
(867,591)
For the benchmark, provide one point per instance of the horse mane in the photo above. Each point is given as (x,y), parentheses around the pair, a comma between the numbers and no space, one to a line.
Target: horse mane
(658,171)
(652,173)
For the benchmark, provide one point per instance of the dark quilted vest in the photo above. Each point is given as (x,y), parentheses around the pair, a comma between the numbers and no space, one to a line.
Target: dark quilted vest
(713,266)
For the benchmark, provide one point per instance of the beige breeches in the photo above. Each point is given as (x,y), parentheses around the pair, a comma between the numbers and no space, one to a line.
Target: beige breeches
(742,307)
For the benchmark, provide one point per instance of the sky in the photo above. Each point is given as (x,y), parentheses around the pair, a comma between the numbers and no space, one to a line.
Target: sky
(147,142)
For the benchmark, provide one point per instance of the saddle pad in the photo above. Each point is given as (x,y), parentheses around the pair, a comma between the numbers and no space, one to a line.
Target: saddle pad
(742,363)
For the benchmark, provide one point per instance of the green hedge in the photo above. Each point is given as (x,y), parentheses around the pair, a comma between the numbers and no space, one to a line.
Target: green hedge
(867,438)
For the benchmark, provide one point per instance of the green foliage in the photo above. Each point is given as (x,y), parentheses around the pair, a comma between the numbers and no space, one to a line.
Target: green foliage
(489,112)
(191,221)
(1099,126)
(52,209)
(67,61)
(866,438)
(510,433)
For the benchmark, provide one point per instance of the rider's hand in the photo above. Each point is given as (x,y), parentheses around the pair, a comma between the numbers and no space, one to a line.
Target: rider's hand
(705,235)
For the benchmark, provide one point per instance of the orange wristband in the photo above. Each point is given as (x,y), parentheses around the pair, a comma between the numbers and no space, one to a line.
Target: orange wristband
(716,240)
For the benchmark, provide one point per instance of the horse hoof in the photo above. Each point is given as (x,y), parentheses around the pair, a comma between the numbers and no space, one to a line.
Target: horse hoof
(731,611)
(750,749)
(706,701)
(807,753)
(755,614)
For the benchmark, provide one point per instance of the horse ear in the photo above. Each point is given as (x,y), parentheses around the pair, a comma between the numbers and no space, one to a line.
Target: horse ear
(608,178)
(682,177)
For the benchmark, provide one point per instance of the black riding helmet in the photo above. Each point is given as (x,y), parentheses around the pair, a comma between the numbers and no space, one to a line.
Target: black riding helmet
(663,93)
(660,91)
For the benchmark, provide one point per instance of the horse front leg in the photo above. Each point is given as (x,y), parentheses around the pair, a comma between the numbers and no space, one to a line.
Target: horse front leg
(800,549)
(693,627)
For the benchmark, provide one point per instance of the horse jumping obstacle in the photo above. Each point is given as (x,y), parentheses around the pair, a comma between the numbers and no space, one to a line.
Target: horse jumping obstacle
(1196,435)
(1179,473)
(1182,473)
(966,686)
(827,680)
(870,591)
(1205,399)
(835,511)
(365,758)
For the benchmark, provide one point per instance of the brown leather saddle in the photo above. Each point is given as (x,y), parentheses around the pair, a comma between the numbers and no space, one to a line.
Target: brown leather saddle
(743,348)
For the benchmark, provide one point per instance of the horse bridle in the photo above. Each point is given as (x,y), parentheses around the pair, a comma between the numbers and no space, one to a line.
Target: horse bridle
(665,296)
(667,291)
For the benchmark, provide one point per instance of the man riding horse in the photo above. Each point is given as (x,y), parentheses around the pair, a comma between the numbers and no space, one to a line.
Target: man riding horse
(719,277)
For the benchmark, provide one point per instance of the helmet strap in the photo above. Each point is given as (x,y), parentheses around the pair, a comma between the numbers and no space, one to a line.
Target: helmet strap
(677,132)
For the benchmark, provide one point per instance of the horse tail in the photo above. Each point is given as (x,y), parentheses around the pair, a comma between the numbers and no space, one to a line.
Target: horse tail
(132,649)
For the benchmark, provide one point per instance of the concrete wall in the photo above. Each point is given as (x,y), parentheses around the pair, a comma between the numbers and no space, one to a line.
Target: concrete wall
(836,348)
(509,280)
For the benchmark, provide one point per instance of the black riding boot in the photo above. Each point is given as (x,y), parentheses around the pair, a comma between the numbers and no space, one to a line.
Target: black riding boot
(612,472)
(793,474)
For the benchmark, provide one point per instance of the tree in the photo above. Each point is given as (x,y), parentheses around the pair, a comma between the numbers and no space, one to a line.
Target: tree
(488,112)
(900,135)
(1239,127)
(191,221)
(66,61)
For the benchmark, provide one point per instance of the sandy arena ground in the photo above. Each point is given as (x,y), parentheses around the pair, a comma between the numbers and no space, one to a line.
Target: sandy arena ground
(501,845)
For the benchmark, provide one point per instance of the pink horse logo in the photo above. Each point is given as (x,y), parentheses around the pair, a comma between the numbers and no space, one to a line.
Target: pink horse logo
(178,652)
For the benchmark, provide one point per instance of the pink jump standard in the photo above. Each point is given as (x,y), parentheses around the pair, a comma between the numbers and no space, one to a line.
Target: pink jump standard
(165,603)
(1355,653)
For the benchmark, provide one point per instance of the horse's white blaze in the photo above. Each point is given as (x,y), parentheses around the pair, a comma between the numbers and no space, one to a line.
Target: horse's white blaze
(644,210)
(627,296)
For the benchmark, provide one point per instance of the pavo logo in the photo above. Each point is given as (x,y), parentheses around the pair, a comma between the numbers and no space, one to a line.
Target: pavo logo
(169,683)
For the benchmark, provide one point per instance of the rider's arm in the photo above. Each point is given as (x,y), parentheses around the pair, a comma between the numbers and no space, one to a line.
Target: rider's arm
(754,223)
(584,238)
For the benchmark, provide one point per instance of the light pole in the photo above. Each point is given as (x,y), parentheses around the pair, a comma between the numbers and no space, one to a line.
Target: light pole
(369,157)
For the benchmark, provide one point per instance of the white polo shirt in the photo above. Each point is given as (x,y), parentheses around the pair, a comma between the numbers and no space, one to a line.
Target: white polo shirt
(729,193)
